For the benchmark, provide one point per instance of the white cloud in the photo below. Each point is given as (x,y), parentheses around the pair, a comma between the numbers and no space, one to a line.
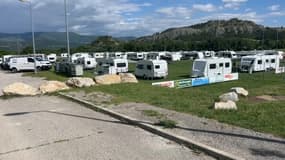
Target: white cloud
(233,4)
(205,7)
(175,11)
(274,7)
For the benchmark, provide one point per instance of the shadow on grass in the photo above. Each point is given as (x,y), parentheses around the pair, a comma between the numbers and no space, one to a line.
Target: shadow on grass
(177,127)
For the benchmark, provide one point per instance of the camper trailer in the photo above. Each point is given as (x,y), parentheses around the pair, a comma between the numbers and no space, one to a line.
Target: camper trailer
(64,55)
(227,54)
(52,58)
(112,66)
(27,63)
(149,69)
(136,56)
(98,55)
(87,62)
(211,67)
(260,62)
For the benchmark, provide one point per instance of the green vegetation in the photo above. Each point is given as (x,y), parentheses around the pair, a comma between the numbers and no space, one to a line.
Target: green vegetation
(166,123)
(261,116)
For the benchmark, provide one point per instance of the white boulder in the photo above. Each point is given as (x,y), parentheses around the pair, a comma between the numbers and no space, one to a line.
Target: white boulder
(19,89)
(229,105)
(108,79)
(52,86)
(231,96)
(240,91)
(80,82)
(128,78)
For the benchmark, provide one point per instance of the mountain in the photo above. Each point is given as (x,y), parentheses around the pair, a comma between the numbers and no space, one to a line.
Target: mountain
(233,28)
(47,40)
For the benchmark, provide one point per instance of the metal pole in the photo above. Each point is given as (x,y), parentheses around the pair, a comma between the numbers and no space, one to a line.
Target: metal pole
(33,36)
(67,31)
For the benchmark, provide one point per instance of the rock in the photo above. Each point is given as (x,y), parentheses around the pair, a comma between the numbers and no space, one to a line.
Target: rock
(108,79)
(52,86)
(240,91)
(20,89)
(231,96)
(128,78)
(225,105)
(80,82)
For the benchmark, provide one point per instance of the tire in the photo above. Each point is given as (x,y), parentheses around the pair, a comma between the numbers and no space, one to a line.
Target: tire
(144,77)
(39,68)
(14,70)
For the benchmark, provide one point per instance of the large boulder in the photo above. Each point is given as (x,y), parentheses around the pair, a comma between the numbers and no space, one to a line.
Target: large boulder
(229,105)
(240,91)
(52,86)
(108,79)
(20,89)
(231,96)
(128,78)
(80,82)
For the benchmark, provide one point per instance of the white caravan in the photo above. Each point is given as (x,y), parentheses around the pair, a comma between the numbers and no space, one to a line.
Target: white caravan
(149,69)
(64,55)
(211,67)
(261,62)
(227,54)
(136,56)
(27,63)
(155,55)
(209,53)
(98,55)
(172,56)
(112,66)
(51,57)
(87,62)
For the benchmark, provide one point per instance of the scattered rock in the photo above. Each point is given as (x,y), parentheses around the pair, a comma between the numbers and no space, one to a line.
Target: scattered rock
(231,96)
(108,79)
(52,86)
(20,89)
(240,91)
(80,82)
(128,78)
(229,105)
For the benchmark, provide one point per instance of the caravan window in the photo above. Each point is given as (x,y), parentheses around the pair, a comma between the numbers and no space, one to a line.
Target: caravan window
(140,66)
(31,60)
(148,67)
(157,66)
(272,60)
(267,61)
(227,65)
(213,66)
(199,65)
(221,65)
(259,62)
(121,65)
(88,62)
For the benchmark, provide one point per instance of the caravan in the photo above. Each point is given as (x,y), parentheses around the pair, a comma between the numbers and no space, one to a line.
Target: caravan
(151,69)
(260,62)
(211,67)
(112,66)
(52,58)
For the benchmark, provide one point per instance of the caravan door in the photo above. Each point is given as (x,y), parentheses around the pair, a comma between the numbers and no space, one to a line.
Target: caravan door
(215,72)
(259,65)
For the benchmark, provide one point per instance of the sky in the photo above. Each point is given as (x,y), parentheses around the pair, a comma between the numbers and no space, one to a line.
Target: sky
(132,17)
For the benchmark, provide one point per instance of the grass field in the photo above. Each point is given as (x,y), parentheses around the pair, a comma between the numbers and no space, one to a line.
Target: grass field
(261,116)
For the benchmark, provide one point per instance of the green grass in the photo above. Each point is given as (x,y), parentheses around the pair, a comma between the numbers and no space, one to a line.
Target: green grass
(260,116)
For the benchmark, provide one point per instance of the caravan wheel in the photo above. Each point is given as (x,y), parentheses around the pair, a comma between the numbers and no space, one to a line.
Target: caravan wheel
(14,70)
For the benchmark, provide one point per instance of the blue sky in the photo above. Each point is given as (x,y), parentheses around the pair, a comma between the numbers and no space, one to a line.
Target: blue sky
(133,17)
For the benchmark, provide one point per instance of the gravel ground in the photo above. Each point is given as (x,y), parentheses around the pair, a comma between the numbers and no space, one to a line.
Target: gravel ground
(7,78)
(49,127)
(238,141)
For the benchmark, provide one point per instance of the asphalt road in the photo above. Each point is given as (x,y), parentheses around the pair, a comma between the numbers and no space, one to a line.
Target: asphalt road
(49,127)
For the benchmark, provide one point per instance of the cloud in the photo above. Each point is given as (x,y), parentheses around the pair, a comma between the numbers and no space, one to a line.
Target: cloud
(274,8)
(233,4)
(205,7)
(175,11)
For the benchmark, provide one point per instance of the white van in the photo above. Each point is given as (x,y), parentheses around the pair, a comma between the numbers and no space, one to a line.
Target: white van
(260,62)
(112,66)
(27,63)
(151,69)
(211,67)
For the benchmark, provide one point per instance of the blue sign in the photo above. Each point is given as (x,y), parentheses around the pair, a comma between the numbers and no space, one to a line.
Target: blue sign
(200,81)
